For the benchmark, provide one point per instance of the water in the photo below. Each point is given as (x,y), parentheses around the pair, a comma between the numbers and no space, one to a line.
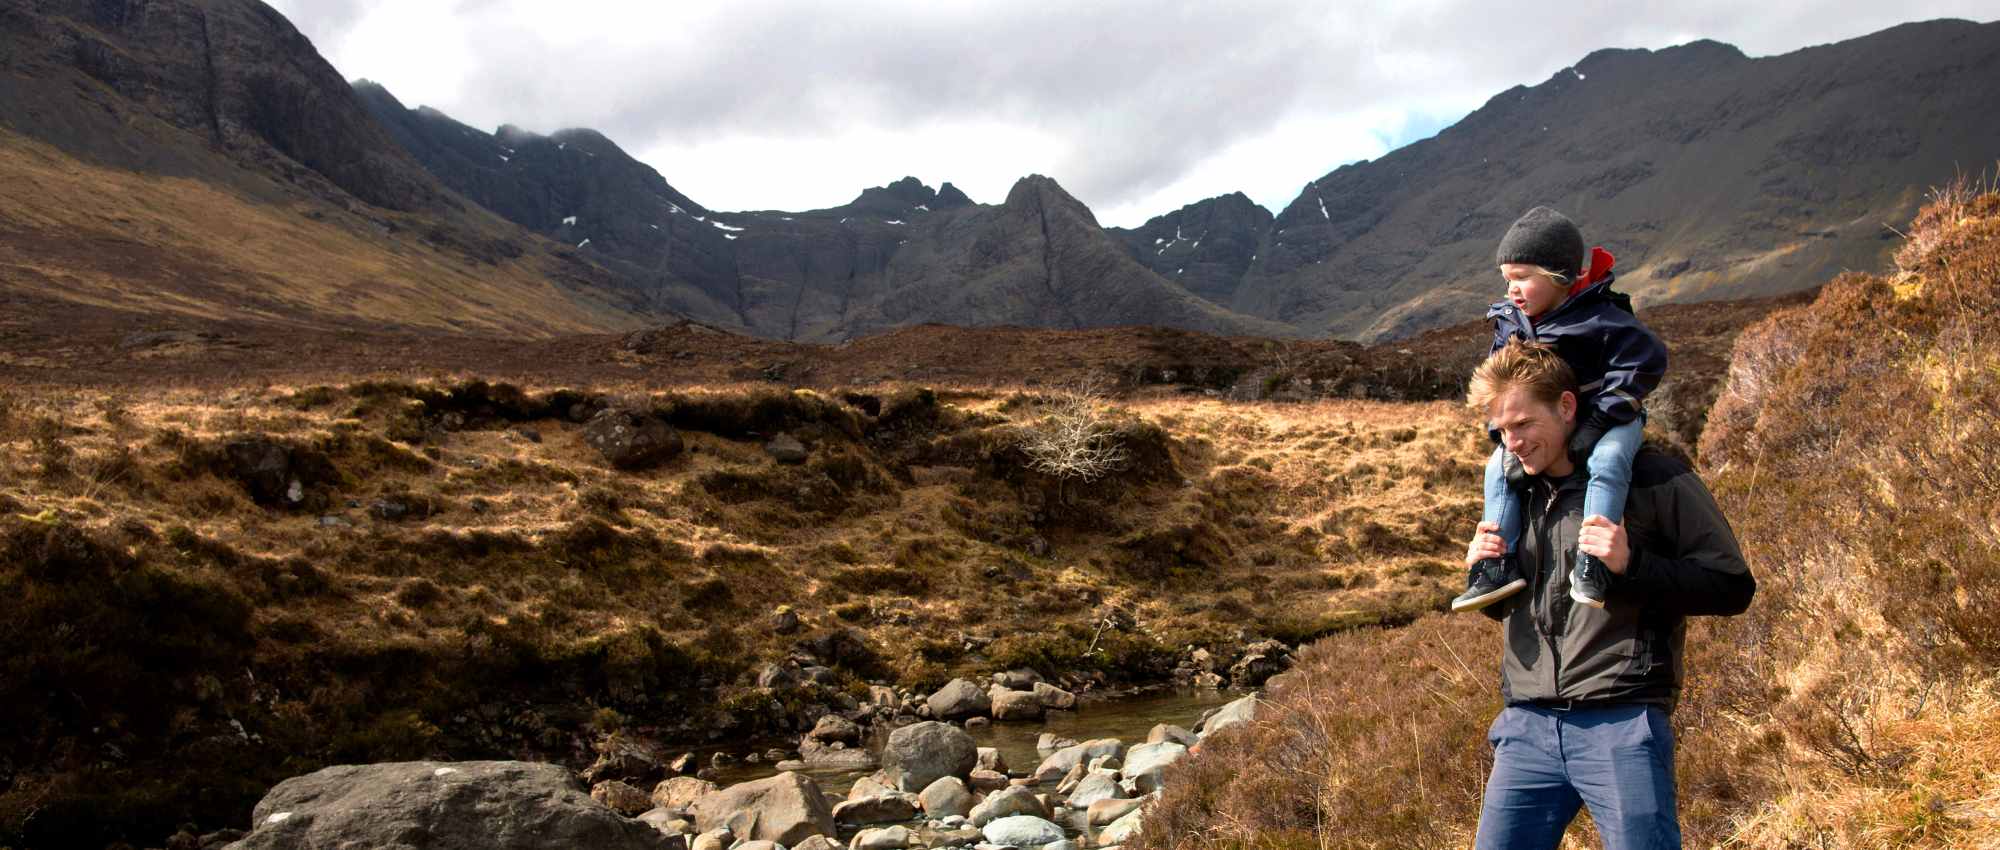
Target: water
(1127,719)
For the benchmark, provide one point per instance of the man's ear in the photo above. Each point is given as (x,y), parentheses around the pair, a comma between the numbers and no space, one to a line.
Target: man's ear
(1567,407)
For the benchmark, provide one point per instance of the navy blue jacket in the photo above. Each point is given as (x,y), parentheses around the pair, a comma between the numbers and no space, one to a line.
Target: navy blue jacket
(1616,358)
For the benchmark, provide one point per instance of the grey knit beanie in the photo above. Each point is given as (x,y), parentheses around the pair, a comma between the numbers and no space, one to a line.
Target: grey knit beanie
(1546,238)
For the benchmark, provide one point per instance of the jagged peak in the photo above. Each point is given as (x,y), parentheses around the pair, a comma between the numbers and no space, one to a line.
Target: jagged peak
(949,197)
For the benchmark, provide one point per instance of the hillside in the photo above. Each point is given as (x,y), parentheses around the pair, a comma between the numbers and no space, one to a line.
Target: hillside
(181,161)
(1708,173)
(1854,705)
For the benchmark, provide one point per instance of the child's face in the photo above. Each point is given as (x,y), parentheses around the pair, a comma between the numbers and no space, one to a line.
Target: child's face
(1531,290)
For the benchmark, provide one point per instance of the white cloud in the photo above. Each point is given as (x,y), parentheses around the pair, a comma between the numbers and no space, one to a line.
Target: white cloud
(1136,107)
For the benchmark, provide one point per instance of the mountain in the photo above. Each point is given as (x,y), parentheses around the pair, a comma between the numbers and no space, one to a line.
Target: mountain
(1710,174)
(177,160)
(1230,226)
(896,255)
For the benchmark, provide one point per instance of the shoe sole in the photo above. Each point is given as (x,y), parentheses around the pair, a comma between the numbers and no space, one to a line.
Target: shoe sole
(1585,600)
(1485,599)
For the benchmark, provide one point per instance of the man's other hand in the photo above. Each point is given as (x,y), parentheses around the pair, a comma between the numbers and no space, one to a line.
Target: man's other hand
(1486,543)
(1606,540)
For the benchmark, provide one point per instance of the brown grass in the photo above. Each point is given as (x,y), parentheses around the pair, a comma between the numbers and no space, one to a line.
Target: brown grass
(529,585)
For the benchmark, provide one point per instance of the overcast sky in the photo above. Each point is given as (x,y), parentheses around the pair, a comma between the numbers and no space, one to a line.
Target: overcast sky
(1137,108)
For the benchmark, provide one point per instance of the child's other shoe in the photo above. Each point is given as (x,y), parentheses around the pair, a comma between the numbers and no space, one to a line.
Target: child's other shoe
(1489,581)
(1589,580)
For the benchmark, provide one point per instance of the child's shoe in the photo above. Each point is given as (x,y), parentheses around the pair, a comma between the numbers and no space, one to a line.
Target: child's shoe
(1489,581)
(1589,580)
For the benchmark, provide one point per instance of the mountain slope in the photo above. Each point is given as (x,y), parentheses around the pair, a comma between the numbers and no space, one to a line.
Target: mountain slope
(199,159)
(1205,246)
(1710,175)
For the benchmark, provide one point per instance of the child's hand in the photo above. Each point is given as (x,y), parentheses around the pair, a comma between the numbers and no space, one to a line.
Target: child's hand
(1486,543)
(1606,540)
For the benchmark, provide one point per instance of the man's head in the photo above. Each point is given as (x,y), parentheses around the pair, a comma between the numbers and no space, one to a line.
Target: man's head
(1529,394)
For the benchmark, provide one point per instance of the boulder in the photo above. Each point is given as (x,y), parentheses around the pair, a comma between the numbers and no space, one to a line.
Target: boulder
(834,727)
(1023,679)
(1014,705)
(1023,831)
(491,805)
(680,792)
(1051,696)
(1105,811)
(1050,742)
(1015,800)
(957,836)
(891,838)
(786,808)
(988,780)
(631,439)
(1147,762)
(889,807)
(869,786)
(682,764)
(958,699)
(1168,733)
(622,798)
(714,839)
(817,842)
(946,797)
(1099,785)
(1061,762)
(1256,668)
(666,820)
(622,758)
(916,755)
(1239,711)
(786,449)
(835,755)
(1123,829)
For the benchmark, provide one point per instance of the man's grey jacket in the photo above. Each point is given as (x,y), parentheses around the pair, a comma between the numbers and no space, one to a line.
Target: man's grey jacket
(1685,562)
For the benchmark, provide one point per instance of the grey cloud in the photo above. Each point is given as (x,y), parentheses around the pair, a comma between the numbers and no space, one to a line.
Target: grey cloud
(1141,93)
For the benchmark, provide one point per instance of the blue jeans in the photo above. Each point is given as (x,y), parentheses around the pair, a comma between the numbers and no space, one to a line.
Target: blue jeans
(1549,763)
(1610,468)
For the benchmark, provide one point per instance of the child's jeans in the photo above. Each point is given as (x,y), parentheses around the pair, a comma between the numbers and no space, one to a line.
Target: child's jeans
(1610,468)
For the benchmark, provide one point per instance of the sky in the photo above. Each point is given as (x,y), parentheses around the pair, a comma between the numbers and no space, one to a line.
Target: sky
(1136,108)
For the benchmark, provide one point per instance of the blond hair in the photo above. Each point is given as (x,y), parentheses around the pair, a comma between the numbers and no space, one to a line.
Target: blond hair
(1531,366)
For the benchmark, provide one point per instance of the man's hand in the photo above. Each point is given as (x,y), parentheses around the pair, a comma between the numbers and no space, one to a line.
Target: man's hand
(1486,543)
(1606,540)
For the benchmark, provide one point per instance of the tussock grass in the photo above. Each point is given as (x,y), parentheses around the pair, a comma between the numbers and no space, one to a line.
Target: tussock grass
(524,587)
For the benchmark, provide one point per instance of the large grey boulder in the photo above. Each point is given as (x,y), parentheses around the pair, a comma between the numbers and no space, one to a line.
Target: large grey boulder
(481,805)
(834,756)
(958,699)
(1145,763)
(1014,705)
(1099,785)
(1023,679)
(1062,761)
(946,797)
(1123,829)
(1018,800)
(1105,811)
(1023,831)
(917,754)
(1237,712)
(631,439)
(786,808)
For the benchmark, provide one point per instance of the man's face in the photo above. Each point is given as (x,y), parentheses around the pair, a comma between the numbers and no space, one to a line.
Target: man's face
(1536,432)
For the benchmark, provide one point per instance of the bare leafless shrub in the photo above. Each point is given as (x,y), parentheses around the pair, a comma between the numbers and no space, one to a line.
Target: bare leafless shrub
(1075,439)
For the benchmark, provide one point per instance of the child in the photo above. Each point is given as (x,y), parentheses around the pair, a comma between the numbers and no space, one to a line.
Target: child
(1552,299)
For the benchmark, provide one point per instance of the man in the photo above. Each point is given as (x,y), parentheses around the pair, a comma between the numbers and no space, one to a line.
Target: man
(1588,689)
